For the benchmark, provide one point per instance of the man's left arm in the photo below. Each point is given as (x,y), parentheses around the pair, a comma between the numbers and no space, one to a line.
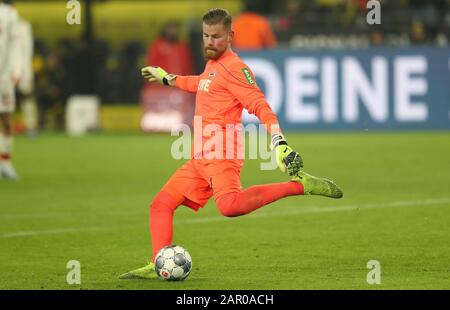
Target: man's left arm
(242,84)
(14,48)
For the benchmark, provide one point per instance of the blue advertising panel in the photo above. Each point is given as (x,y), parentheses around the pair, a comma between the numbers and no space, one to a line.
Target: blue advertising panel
(379,88)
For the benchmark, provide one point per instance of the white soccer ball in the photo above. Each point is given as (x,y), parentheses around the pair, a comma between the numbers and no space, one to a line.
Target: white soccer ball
(173,263)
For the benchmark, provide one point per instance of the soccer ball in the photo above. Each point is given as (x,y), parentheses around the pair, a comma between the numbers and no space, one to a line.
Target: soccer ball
(173,263)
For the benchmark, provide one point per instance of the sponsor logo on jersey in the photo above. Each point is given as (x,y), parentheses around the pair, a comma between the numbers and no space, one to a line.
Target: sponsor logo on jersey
(204,84)
(248,76)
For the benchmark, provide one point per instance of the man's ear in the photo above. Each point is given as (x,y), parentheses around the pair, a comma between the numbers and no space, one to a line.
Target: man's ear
(230,36)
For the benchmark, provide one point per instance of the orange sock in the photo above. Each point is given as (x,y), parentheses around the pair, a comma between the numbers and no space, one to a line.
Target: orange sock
(236,204)
(161,221)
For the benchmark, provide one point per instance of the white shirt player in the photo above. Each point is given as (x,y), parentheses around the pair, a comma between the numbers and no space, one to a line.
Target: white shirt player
(26,48)
(10,55)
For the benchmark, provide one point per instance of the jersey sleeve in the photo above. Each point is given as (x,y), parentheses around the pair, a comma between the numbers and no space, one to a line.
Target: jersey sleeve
(242,84)
(14,48)
(187,82)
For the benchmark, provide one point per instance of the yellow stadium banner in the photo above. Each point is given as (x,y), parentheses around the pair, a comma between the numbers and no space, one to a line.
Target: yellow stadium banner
(118,21)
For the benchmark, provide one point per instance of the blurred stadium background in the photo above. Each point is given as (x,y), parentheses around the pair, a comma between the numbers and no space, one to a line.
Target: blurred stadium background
(102,56)
(368,105)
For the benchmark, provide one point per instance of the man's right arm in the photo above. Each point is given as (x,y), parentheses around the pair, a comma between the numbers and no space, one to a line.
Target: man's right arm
(156,74)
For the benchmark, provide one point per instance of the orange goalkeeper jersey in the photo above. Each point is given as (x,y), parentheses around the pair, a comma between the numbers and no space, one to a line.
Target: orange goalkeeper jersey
(224,89)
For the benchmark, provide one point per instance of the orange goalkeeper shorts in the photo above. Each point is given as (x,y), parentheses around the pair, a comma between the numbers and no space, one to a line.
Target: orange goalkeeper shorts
(199,179)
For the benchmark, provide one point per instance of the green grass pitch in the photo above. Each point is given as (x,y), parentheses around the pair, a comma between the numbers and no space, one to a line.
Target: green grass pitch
(87,199)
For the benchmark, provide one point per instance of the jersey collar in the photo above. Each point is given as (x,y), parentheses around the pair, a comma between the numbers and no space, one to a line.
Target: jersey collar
(227,54)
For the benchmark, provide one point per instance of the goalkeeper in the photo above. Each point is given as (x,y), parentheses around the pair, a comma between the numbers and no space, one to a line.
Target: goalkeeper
(224,89)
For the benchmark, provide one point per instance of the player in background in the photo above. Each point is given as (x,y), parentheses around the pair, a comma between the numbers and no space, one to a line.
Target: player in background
(223,90)
(252,31)
(26,84)
(10,70)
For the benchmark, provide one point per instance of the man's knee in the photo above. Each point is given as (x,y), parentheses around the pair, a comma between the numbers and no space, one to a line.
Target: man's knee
(228,205)
(228,211)
(163,200)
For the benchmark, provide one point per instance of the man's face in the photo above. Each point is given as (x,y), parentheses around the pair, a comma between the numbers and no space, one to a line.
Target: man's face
(216,39)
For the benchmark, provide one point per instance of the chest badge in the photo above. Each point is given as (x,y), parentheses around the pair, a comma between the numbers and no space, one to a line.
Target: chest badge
(212,74)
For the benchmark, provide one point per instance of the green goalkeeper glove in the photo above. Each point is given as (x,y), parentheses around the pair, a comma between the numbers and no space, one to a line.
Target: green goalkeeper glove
(158,74)
(287,158)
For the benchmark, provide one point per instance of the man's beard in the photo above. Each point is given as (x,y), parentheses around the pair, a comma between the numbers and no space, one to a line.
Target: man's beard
(212,54)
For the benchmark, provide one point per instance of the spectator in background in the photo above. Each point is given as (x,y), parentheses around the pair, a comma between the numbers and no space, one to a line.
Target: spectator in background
(165,107)
(195,39)
(290,21)
(252,31)
(348,11)
(427,12)
(168,52)
(376,38)
(418,34)
(130,84)
(83,66)
(51,92)
(292,18)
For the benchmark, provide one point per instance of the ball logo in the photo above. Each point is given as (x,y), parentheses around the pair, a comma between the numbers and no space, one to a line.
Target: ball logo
(173,263)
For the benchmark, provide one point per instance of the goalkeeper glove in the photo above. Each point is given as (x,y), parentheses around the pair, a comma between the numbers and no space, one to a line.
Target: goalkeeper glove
(157,74)
(286,157)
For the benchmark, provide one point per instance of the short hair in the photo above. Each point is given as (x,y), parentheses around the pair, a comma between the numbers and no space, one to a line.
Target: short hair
(218,16)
